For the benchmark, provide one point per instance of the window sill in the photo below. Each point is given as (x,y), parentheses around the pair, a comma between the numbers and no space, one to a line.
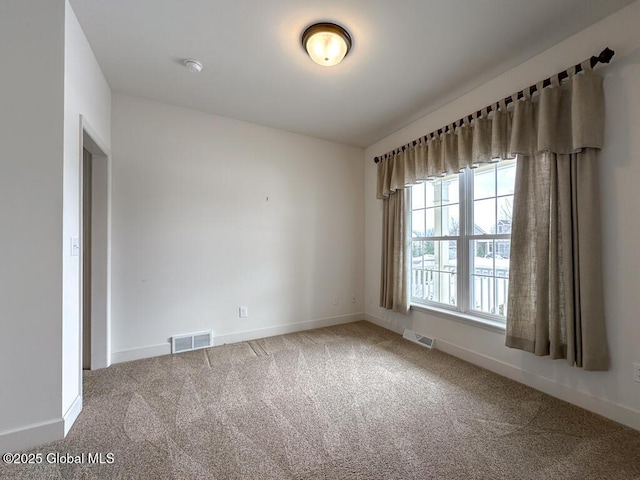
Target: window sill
(485,323)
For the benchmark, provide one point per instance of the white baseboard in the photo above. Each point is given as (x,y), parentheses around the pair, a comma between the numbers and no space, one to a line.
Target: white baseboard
(31,435)
(614,411)
(611,410)
(388,324)
(287,328)
(140,353)
(244,336)
(70,417)
(40,433)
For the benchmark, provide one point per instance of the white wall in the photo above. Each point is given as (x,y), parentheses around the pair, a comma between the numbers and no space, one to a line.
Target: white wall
(31,169)
(86,93)
(194,236)
(614,393)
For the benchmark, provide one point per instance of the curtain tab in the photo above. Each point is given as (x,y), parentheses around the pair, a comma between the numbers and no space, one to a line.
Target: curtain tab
(484,113)
(539,87)
(555,81)
(526,93)
(586,66)
(503,104)
(571,71)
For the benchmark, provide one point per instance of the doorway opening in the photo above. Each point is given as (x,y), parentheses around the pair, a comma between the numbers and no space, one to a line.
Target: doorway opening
(95,249)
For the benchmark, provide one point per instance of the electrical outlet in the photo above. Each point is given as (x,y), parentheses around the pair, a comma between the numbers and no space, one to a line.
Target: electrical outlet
(636,372)
(243,312)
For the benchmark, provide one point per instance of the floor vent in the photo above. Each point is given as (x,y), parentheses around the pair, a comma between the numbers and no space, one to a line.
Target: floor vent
(192,341)
(419,339)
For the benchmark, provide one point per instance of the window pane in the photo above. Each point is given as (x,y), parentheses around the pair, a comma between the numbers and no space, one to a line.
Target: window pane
(422,269)
(446,256)
(428,254)
(451,220)
(489,269)
(484,217)
(503,251)
(436,197)
(506,177)
(478,250)
(505,214)
(417,268)
(440,279)
(417,196)
(484,182)
(502,290)
(417,223)
(445,289)
(483,294)
(430,225)
(417,283)
(429,194)
(489,295)
(482,257)
(417,252)
(450,190)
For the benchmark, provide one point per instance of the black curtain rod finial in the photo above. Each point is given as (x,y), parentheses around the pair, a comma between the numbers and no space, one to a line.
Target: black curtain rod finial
(606,55)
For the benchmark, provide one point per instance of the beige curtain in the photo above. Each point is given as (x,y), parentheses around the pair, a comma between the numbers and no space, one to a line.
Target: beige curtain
(555,299)
(555,302)
(396,249)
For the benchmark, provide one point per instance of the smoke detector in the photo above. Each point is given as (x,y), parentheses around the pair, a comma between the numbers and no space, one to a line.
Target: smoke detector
(193,66)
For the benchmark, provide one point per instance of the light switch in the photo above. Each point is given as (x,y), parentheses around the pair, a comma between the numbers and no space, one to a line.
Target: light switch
(75,246)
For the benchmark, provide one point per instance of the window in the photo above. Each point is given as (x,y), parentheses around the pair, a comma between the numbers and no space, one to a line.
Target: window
(460,240)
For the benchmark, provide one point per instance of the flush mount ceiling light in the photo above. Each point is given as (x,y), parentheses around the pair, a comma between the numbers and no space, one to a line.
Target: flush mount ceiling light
(194,66)
(326,43)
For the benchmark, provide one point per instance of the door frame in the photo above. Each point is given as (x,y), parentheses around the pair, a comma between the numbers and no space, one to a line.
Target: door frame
(100,249)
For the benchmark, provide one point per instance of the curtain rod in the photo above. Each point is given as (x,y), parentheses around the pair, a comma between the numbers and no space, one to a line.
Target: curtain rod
(605,57)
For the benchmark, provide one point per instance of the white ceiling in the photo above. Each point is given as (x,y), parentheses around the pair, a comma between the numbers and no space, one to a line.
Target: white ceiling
(408,57)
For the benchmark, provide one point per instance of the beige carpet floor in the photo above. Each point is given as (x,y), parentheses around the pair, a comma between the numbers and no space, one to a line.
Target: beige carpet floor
(347,402)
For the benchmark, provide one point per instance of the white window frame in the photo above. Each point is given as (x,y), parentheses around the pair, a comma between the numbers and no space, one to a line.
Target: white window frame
(462,311)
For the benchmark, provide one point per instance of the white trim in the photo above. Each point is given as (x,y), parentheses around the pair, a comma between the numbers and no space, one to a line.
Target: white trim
(165,348)
(140,353)
(100,360)
(86,127)
(399,329)
(100,332)
(614,411)
(287,328)
(70,417)
(611,410)
(35,434)
(487,324)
